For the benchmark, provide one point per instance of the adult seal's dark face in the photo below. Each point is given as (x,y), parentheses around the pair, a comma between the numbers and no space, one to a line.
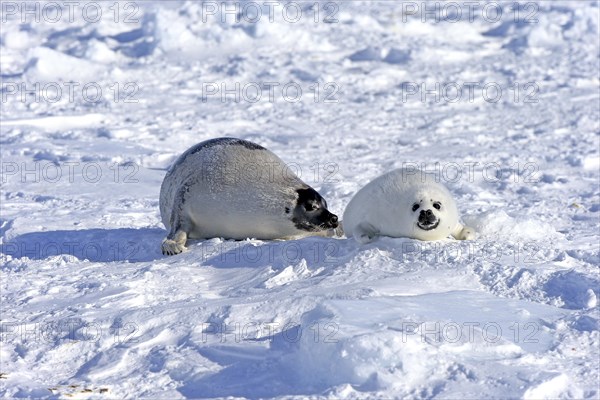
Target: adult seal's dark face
(311,213)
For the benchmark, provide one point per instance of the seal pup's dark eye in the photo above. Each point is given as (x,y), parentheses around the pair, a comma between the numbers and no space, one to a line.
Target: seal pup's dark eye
(415,207)
(437,205)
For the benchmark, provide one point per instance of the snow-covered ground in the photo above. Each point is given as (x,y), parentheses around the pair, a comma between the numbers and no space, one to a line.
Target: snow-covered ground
(99,98)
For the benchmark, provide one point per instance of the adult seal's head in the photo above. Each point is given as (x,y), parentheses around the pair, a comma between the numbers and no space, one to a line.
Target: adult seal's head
(236,189)
(311,213)
(404,203)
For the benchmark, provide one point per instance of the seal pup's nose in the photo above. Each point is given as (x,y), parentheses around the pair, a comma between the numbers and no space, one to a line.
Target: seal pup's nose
(426,217)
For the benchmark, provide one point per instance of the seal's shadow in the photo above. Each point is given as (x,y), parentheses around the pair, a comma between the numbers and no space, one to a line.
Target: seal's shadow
(97,245)
(143,245)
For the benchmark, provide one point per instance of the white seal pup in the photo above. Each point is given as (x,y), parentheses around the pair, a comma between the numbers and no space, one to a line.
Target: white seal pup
(236,189)
(404,203)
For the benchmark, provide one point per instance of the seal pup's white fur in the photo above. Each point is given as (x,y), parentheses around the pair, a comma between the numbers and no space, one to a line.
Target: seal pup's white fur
(404,203)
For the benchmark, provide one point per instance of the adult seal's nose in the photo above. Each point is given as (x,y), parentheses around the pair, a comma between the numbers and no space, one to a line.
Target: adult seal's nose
(333,220)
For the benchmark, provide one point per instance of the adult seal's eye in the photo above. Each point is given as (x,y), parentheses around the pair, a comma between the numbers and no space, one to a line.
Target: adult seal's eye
(415,207)
(309,207)
(437,205)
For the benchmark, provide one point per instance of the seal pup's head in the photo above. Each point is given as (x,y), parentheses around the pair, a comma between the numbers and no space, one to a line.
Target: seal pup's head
(433,213)
(310,212)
